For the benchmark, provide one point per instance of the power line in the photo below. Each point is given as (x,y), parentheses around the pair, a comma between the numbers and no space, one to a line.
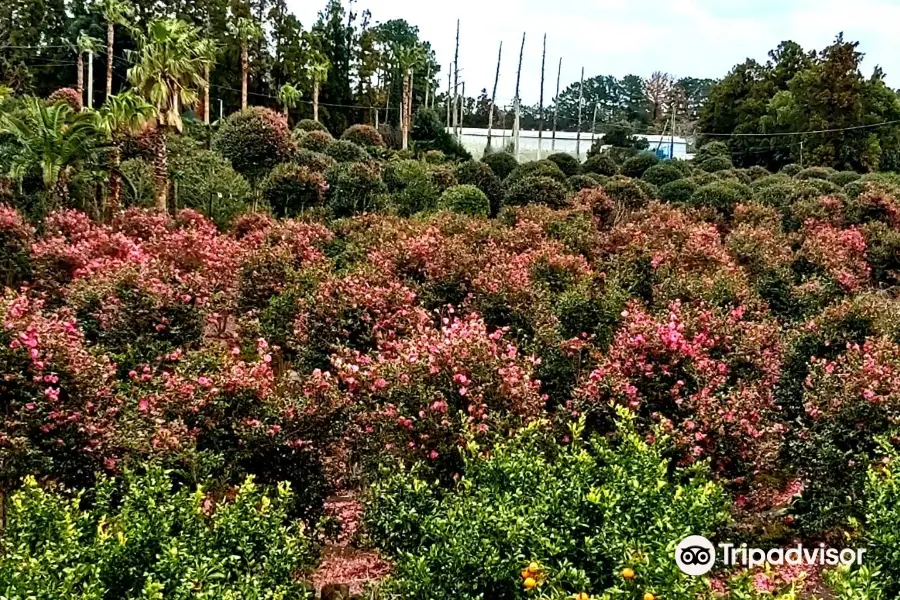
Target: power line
(795,133)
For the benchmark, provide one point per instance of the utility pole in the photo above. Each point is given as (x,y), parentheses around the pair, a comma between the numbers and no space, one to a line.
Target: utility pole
(449,92)
(556,105)
(594,124)
(801,150)
(541,110)
(462,109)
(456,80)
(493,100)
(90,79)
(580,102)
(516,100)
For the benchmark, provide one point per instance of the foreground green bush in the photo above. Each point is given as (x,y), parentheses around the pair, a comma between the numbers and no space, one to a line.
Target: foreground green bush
(140,538)
(636,165)
(581,511)
(363,135)
(411,185)
(567,163)
(481,176)
(466,199)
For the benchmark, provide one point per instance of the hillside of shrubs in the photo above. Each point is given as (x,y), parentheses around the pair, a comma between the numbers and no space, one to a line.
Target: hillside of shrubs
(515,381)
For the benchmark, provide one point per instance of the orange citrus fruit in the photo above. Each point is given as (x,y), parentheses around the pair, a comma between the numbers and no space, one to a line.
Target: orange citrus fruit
(534,567)
(530,583)
(649,596)
(526,573)
(627,573)
(582,596)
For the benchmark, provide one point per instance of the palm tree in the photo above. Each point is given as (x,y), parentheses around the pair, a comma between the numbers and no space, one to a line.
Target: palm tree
(54,138)
(168,70)
(82,45)
(289,97)
(318,72)
(245,30)
(121,115)
(114,12)
(407,58)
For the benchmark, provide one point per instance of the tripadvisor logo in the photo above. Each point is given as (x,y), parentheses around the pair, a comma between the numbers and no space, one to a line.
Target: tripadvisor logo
(695,555)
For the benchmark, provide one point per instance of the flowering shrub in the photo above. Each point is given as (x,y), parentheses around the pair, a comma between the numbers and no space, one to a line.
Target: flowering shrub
(839,253)
(423,395)
(673,370)
(143,538)
(571,516)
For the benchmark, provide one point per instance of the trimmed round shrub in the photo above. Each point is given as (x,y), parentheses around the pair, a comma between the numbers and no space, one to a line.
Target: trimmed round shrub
(316,141)
(814,173)
(600,164)
(344,151)
(703,178)
(290,189)
(68,96)
(537,168)
(309,125)
(738,175)
(626,192)
(466,199)
(661,174)
(722,196)
(501,163)
(411,186)
(354,188)
(434,157)
(682,165)
(314,161)
(443,176)
(842,178)
(208,183)
(650,190)
(567,163)
(757,172)
(713,150)
(579,182)
(715,164)
(536,190)
(255,140)
(363,135)
(790,170)
(678,192)
(481,176)
(636,165)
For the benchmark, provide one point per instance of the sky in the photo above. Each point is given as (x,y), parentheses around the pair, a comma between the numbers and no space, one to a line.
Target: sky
(699,38)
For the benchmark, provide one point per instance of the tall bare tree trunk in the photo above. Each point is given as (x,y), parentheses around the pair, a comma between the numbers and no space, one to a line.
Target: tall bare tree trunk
(315,100)
(493,100)
(541,113)
(404,110)
(245,71)
(580,103)
(206,94)
(556,105)
(110,38)
(285,111)
(79,75)
(160,169)
(517,102)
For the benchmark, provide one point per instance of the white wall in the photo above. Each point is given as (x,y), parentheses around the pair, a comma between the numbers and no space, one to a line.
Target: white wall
(475,141)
